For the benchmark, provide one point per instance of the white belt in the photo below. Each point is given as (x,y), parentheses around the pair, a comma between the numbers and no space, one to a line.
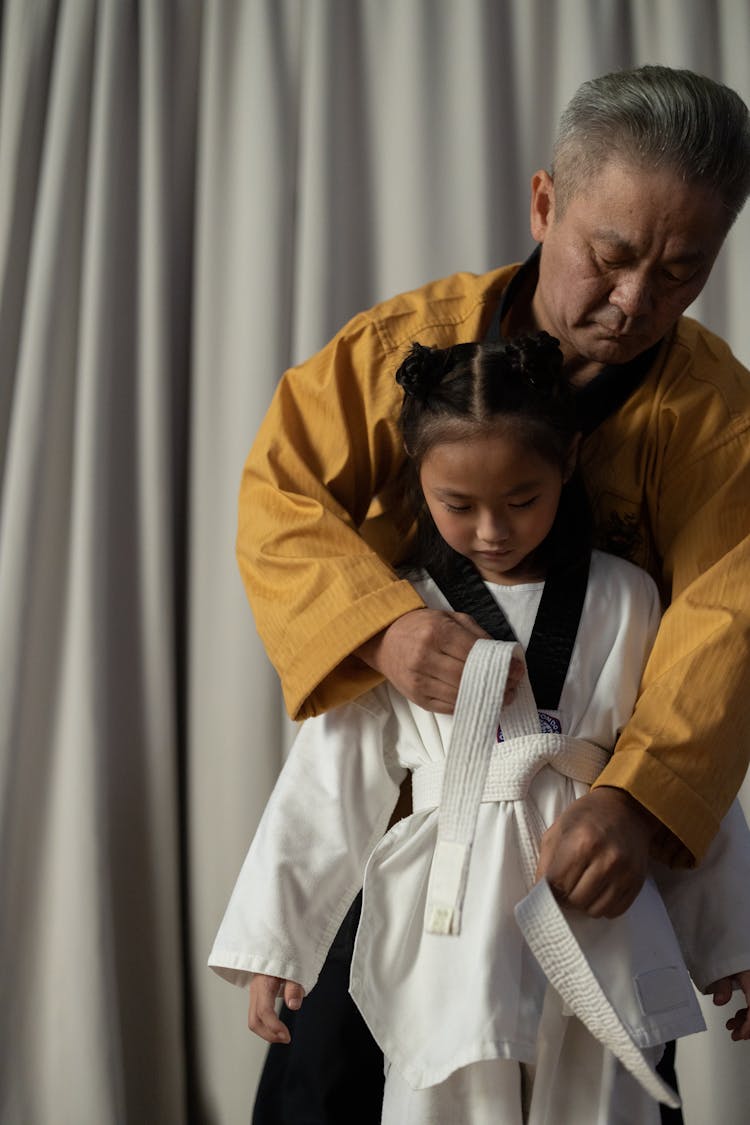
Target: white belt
(512,767)
(476,770)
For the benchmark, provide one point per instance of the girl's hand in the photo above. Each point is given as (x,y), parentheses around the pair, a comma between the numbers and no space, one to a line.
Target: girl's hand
(261,1016)
(739,1023)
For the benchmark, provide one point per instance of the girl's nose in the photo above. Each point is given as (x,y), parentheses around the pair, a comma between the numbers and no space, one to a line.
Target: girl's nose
(492,531)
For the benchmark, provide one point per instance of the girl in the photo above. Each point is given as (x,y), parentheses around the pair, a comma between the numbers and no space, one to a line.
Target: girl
(490,1001)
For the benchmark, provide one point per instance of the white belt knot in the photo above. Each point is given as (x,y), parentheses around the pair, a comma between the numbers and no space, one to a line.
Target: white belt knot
(514,764)
(511,768)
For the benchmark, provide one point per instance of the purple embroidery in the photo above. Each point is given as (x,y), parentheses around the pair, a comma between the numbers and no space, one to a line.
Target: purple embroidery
(548,724)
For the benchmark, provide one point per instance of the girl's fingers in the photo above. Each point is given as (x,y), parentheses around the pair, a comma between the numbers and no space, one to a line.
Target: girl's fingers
(739,1025)
(262,1017)
(722,991)
(293,995)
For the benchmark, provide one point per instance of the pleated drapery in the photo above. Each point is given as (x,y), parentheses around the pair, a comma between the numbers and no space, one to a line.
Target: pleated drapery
(193,194)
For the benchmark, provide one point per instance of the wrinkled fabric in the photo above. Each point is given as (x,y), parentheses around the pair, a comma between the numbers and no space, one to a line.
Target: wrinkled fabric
(322,836)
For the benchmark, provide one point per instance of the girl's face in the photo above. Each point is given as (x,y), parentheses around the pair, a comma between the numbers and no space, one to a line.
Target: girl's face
(494,500)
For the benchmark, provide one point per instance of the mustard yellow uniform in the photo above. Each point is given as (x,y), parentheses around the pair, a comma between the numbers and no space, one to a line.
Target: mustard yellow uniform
(322,518)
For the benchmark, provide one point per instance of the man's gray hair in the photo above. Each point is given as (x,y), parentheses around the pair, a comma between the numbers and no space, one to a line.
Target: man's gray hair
(656,117)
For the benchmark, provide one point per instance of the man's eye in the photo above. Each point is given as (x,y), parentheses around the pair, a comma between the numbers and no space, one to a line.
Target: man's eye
(608,263)
(676,279)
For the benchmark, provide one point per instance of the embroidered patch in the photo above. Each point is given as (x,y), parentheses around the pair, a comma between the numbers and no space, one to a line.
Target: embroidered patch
(621,536)
(548,724)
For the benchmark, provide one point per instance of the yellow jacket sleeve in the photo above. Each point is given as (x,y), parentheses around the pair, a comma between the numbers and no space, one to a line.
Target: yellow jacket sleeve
(671,478)
(322,512)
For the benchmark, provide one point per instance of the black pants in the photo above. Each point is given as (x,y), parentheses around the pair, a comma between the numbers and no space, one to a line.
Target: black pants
(332,1072)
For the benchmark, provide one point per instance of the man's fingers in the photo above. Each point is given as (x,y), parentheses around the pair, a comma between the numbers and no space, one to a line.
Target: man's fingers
(606,885)
(436,662)
(423,654)
(443,665)
(469,624)
(563,860)
(515,675)
(603,899)
(595,855)
(436,691)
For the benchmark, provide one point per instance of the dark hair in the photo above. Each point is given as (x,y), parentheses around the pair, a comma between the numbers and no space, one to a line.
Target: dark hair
(468,389)
(656,117)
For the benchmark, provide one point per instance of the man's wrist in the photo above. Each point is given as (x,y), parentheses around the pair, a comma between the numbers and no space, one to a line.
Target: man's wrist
(663,845)
(651,824)
(369,651)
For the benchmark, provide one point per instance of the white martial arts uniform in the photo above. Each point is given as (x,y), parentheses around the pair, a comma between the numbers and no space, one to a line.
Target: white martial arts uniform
(466,1019)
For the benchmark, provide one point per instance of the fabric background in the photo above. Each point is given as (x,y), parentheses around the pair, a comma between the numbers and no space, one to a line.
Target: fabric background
(194,193)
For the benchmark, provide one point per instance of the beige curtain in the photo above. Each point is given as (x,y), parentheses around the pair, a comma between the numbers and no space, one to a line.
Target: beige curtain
(193,193)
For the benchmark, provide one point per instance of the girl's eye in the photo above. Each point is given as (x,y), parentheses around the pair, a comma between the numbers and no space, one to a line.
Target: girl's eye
(526,503)
(454,507)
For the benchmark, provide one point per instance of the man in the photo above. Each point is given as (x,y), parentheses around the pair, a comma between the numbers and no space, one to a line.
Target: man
(650,170)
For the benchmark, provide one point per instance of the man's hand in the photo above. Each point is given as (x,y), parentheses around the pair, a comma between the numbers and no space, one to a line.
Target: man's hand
(739,1023)
(423,655)
(261,1016)
(595,856)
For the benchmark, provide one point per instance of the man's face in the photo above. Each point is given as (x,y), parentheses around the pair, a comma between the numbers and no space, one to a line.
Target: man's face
(630,252)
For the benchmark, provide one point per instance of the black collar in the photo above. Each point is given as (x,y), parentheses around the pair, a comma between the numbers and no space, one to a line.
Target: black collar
(555,627)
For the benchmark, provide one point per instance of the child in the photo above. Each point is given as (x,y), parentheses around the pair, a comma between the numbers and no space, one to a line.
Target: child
(455,950)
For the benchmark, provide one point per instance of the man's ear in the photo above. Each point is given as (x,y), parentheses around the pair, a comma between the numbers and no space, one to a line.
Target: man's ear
(542,204)
(572,458)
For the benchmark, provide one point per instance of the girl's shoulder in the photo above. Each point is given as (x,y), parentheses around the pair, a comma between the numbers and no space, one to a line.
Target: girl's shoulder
(615,576)
(425,586)
(603,563)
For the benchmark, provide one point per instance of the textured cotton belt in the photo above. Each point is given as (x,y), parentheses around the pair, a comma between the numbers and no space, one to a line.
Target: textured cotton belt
(476,770)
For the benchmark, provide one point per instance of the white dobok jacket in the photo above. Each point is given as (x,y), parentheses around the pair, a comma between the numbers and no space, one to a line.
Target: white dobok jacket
(443,969)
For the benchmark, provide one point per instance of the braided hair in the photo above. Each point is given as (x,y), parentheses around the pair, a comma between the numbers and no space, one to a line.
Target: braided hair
(516,387)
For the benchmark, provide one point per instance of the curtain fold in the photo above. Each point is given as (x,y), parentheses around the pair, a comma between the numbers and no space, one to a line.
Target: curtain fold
(242,317)
(90,856)
(193,195)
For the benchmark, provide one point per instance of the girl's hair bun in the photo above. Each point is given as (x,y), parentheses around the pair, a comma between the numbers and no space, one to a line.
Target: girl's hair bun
(421,371)
(538,359)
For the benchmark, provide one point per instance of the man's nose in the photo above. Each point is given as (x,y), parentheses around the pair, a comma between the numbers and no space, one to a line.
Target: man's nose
(632,295)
